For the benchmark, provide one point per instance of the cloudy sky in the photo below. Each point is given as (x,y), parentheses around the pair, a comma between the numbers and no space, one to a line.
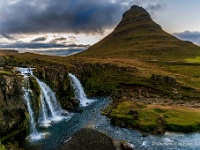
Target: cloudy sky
(77,23)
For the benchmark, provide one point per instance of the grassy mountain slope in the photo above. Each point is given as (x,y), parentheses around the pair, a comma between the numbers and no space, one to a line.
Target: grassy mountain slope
(138,36)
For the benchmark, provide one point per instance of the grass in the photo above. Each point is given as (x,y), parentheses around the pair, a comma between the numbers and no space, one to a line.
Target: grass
(2,147)
(186,73)
(8,73)
(193,60)
(176,118)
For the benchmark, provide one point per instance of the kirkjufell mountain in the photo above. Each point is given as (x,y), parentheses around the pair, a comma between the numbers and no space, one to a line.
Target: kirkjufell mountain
(137,35)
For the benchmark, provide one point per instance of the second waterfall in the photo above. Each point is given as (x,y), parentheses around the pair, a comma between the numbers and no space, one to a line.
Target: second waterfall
(79,91)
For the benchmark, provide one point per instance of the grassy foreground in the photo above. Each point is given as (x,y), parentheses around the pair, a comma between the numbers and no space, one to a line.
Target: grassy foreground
(155,118)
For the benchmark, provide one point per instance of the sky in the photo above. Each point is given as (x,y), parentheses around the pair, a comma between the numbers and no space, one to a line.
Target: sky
(60,24)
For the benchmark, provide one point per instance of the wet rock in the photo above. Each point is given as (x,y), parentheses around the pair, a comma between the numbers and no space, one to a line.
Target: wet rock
(117,121)
(127,146)
(75,101)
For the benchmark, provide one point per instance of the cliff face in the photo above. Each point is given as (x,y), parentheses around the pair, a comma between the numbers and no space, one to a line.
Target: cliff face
(12,105)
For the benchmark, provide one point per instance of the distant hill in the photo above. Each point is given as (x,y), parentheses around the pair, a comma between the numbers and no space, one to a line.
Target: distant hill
(138,36)
(8,51)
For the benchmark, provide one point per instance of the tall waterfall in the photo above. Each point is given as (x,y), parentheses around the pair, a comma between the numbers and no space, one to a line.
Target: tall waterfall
(79,91)
(34,135)
(50,108)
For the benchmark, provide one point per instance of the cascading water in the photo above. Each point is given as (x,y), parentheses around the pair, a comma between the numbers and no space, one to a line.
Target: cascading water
(34,135)
(50,109)
(79,91)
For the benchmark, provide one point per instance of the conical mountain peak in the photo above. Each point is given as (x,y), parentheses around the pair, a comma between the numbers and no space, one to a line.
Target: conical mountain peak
(137,18)
(138,36)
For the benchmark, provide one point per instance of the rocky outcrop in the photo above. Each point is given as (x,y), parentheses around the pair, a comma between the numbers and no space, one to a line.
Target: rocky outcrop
(12,105)
(57,78)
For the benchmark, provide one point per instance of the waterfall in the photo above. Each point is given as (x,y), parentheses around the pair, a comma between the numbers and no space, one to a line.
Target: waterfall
(50,108)
(34,135)
(79,91)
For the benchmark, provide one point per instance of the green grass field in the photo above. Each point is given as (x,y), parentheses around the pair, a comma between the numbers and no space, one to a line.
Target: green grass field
(176,118)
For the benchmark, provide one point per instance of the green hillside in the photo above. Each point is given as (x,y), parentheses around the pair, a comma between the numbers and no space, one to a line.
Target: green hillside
(138,36)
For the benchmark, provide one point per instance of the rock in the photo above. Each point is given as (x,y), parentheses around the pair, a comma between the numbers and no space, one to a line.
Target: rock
(6,67)
(117,121)
(75,101)
(57,77)
(144,134)
(127,146)
(135,114)
(88,139)
(12,107)
(163,79)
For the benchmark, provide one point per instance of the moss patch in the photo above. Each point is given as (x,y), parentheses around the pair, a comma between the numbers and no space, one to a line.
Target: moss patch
(2,147)
(8,73)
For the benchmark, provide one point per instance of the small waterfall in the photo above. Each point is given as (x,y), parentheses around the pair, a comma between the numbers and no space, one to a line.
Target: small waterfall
(79,91)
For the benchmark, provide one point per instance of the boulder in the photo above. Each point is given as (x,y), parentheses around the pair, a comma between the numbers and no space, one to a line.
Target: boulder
(88,139)
(75,101)
(127,146)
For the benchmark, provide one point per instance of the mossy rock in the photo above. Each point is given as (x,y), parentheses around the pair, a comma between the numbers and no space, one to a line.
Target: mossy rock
(35,95)
(2,147)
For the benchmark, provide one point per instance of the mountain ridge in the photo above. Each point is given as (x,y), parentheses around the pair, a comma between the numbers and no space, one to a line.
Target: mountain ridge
(138,36)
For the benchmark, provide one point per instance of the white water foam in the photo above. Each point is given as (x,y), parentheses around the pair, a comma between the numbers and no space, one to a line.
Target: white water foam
(79,91)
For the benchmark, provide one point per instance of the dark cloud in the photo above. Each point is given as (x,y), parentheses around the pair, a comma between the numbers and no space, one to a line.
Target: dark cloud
(7,36)
(69,16)
(59,40)
(86,16)
(193,36)
(40,39)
